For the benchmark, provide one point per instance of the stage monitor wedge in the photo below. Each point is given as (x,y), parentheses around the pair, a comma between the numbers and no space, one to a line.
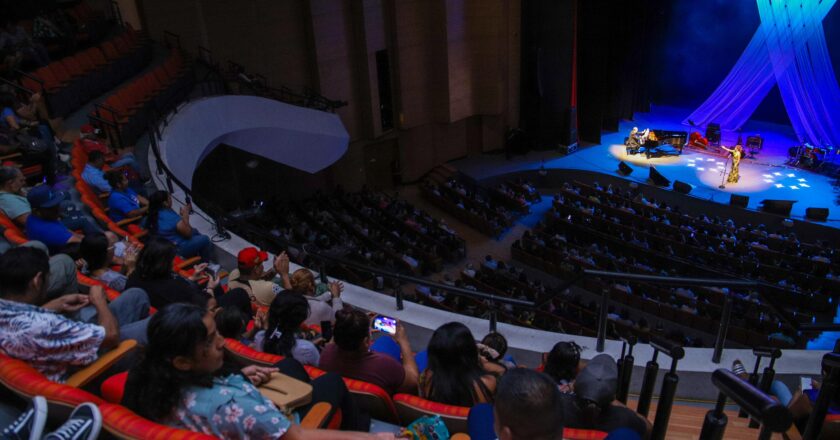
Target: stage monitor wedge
(780,207)
(817,214)
(739,201)
(656,178)
(682,187)
(624,169)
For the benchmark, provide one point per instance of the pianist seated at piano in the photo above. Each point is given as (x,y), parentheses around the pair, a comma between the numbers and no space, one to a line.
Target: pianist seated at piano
(655,143)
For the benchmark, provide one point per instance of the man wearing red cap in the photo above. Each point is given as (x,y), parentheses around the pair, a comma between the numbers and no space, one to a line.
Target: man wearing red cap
(250,275)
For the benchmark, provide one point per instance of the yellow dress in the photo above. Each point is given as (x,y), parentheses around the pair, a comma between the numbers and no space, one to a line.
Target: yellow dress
(736,160)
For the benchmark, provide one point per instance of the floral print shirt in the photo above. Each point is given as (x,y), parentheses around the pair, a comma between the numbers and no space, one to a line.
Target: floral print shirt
(50,342)
(231,409)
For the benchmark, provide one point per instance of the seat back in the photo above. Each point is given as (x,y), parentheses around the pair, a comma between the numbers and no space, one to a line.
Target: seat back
(11,231)
(410,408)
(122,423)
(246,355)
(22,380)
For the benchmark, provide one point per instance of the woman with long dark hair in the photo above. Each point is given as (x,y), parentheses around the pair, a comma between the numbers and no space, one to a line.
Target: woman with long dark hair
(454,374)
(287,312)
(182,382)
(153,273)
(97,251)
(163,221)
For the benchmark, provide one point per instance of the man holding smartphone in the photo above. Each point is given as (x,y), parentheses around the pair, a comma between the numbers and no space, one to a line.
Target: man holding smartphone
(349,355)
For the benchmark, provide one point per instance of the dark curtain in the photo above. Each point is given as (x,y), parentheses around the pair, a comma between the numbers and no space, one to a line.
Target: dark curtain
(615,43)
(546,115)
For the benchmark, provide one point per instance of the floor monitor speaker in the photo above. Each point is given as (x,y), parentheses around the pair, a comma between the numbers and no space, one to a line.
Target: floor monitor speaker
(624,169)
(781,207)
(818,214)
(658,179)
(739,201)
(682,187)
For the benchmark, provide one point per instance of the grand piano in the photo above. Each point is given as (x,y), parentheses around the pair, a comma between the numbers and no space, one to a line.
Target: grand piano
(658,143)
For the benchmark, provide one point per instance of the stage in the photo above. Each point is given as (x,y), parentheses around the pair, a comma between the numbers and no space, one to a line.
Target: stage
(764,177)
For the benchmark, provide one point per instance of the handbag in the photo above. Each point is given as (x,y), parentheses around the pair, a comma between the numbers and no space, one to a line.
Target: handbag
(31,144)
(286,392)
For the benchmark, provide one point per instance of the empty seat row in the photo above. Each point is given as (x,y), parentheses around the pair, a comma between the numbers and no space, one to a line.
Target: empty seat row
(72,81)
(127,111)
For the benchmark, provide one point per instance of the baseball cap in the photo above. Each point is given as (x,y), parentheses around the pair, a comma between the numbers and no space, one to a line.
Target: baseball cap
(251,256)
(42,196)
(598,381)
(88,129)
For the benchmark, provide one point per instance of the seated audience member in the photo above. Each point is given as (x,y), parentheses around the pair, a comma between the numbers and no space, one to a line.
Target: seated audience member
(25,123)
(528,407)
(593,404)
(97,251)
(44,223)
(153,273)
(16,206)
(163,221)
(90,140)
(561,364)
(455,375)
(68,332)
(286,314)
(183,382)
(492,349)
(93,173)
(303,281)
(253,278)
(62,276)
(233,324)
(123,202)
(350,355)
(13,201)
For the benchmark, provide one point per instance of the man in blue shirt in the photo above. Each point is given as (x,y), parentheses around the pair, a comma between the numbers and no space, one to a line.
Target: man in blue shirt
(93,174)
(124,202)
(44,224)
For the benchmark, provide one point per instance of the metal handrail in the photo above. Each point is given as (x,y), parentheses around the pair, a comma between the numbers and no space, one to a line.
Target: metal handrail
(770,413)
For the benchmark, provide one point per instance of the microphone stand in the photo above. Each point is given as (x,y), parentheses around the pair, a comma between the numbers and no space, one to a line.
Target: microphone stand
(723,173)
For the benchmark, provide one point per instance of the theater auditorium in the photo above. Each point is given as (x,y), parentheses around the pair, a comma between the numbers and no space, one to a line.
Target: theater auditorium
(416,219)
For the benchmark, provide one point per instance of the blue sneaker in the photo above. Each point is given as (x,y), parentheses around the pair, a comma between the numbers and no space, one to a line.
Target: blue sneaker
(84,424)
(30,424)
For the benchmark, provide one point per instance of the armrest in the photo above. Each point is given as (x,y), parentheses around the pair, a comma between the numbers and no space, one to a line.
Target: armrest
(104,196)
(460,436)
(106,361)
(792,433)
(129,220)
(317,417)
(10,156)
(187,263)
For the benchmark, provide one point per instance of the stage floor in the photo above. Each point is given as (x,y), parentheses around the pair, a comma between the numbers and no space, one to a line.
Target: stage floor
(764,177)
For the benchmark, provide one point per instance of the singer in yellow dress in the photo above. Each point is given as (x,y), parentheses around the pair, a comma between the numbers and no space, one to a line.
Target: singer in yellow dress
(736,160)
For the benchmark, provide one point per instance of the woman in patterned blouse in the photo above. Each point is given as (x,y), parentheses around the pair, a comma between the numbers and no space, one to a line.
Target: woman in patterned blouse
(181,383)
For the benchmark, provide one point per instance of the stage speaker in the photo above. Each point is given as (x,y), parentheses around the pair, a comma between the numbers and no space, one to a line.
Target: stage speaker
(818,214)
(713,134)
(682,187)
(624,169)
(656,178)
(781,207)
(739,201)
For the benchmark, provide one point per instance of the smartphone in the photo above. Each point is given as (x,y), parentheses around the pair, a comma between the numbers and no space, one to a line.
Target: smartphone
(326,330)
(805,383)
(385,324)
